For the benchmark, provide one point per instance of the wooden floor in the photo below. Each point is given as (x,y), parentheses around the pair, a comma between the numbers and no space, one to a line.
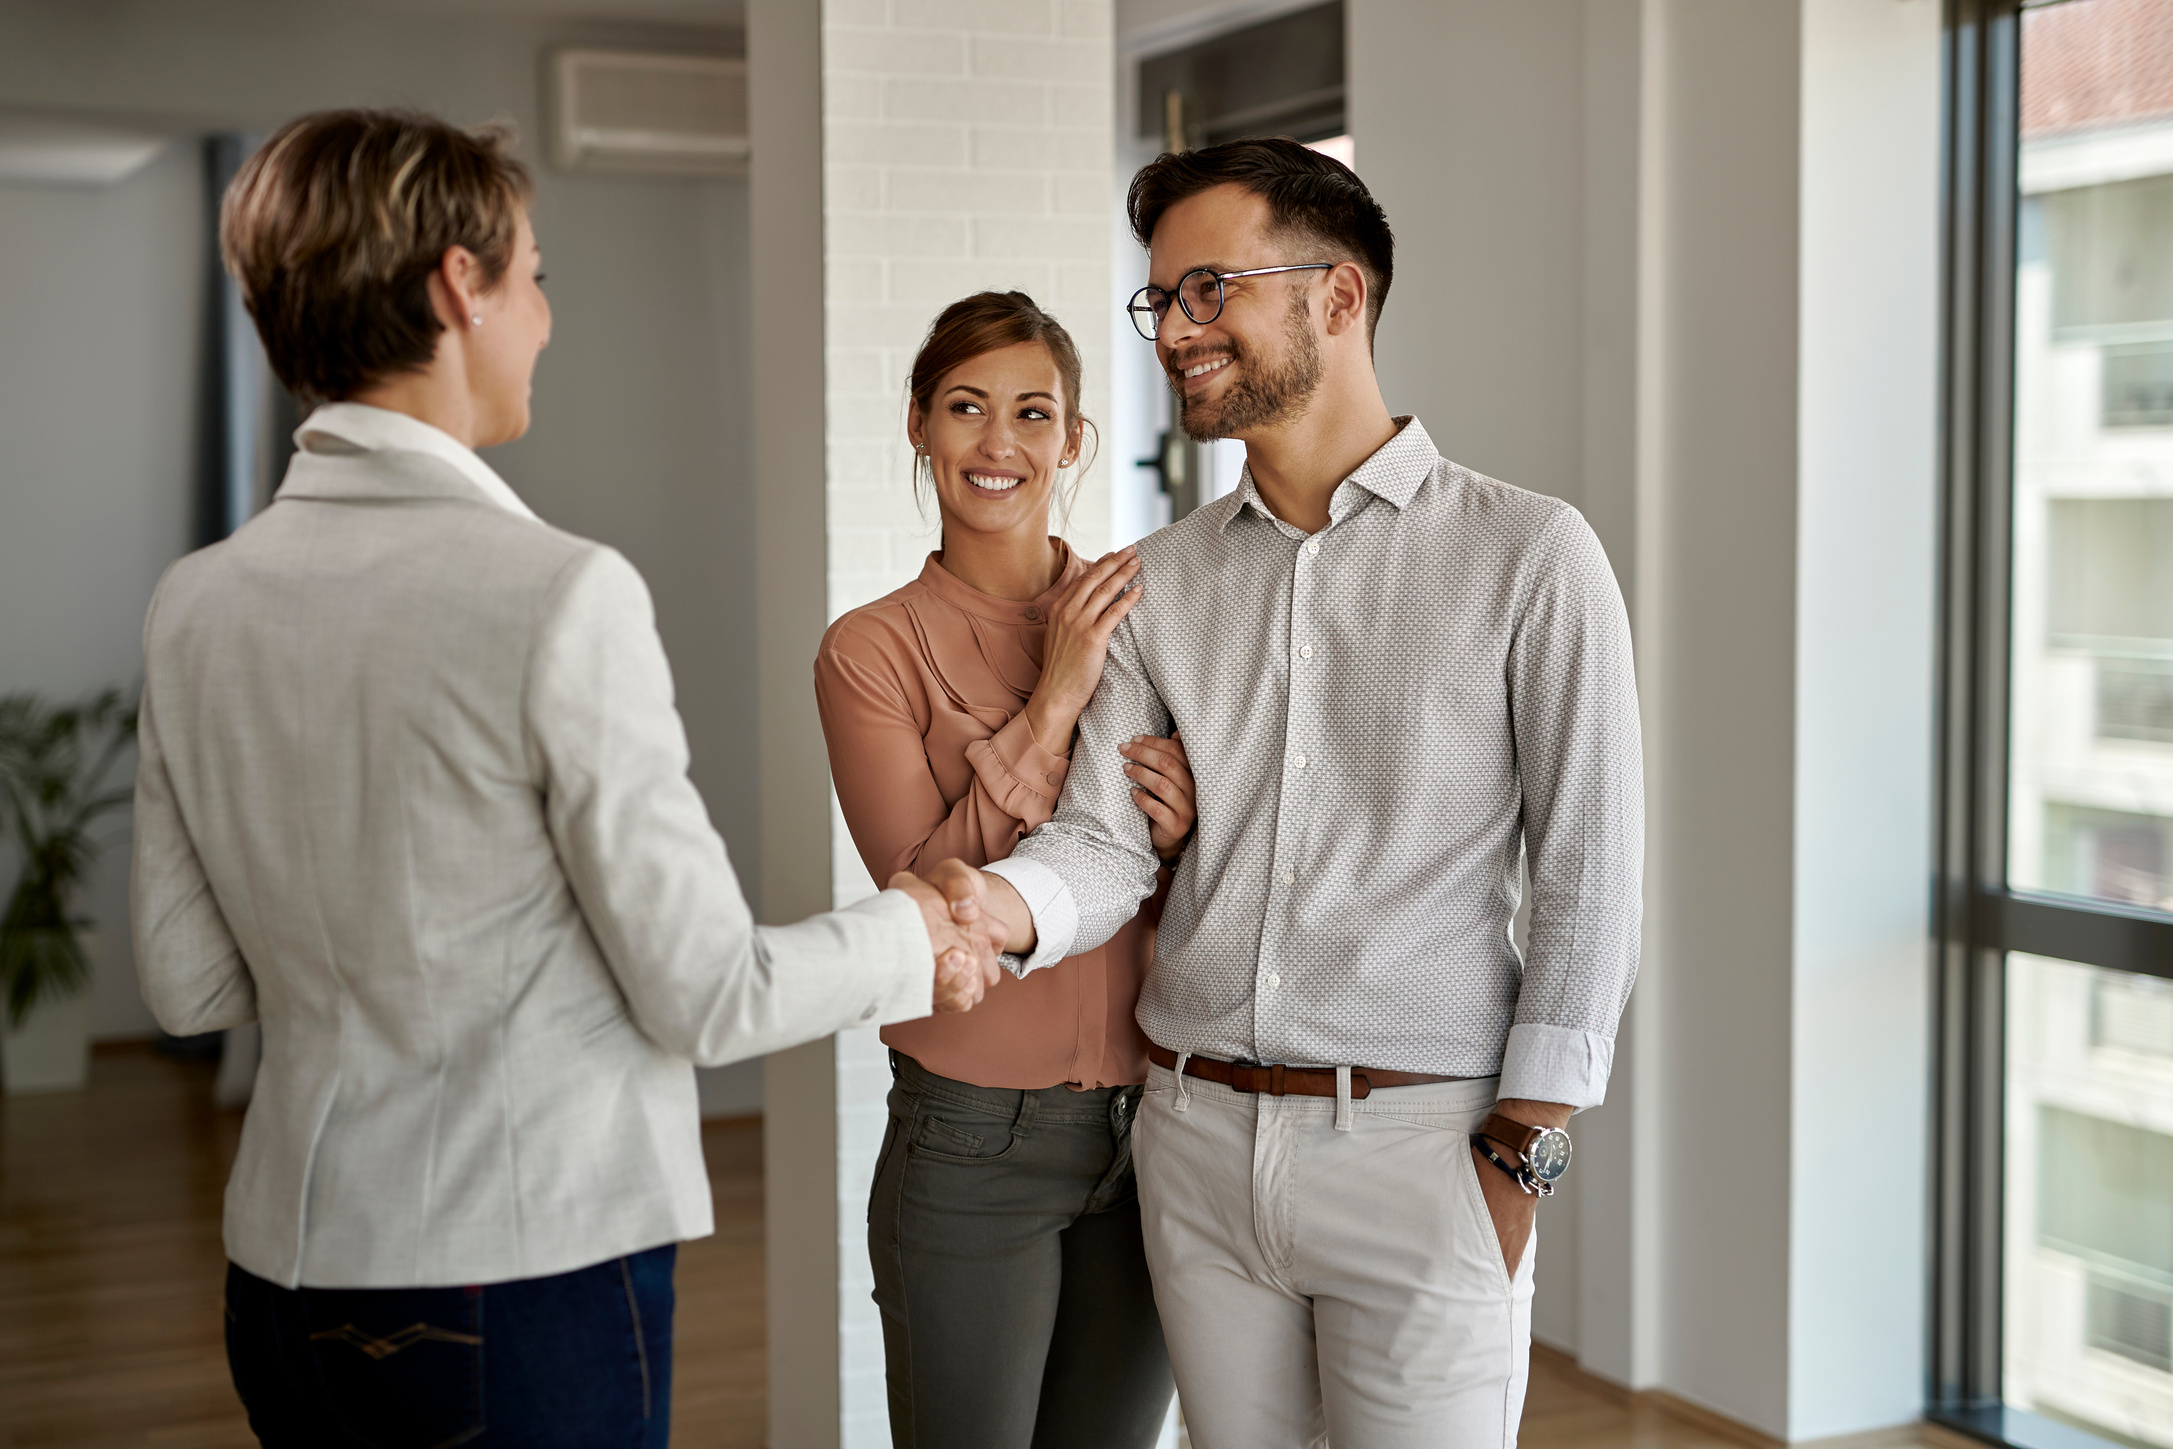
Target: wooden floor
(111,1271)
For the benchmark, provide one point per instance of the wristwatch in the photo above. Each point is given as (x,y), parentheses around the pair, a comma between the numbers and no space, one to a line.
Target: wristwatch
(1544,1150)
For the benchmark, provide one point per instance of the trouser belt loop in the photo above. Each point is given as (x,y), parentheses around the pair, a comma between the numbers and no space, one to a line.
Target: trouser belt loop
(1342,1099)
(1275,1080)
(1184,1084)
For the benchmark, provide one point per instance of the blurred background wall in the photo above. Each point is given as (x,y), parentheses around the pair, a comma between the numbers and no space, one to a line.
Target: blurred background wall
(641,432)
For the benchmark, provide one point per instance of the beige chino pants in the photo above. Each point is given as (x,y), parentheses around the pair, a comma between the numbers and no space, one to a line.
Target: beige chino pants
(1320,1285)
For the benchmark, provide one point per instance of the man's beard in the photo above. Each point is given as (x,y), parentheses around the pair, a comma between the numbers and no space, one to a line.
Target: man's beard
(1261,394)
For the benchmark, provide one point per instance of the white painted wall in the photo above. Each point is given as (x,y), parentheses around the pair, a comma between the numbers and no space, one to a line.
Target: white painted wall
(1865,676)
(641,404)
(99,334)
(1468,121)
(1724,606)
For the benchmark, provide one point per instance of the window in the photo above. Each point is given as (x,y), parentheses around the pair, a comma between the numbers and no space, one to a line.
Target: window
(2054,1281)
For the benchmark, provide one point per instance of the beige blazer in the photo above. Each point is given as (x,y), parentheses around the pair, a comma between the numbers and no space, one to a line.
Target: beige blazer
(413,794)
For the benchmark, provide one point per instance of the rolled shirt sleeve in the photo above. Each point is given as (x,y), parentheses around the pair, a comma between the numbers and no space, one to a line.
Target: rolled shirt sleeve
(1049,901)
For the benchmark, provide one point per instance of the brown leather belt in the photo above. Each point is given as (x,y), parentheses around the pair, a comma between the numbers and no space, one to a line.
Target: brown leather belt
(1282,1081)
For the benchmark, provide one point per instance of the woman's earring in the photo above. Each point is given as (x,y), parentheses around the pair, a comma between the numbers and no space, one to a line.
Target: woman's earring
(475,319)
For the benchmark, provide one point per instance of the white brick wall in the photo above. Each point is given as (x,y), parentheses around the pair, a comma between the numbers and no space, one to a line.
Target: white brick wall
(967,145)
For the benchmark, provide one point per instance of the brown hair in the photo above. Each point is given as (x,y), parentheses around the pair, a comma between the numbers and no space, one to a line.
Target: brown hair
(982,323)
(1311,198)
(334,226)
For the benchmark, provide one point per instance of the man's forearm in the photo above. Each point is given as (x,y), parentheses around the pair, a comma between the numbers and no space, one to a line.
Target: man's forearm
(1005,904)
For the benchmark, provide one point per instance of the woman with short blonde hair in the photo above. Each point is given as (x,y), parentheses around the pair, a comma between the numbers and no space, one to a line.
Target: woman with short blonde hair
(413,796)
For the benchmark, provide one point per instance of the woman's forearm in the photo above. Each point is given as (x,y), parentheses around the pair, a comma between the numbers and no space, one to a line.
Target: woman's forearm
(1052,720)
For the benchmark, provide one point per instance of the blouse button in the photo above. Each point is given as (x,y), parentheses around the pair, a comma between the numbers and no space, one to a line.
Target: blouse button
(1033,613)
(1054,777)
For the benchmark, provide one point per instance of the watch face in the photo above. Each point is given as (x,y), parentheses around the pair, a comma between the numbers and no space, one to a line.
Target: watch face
(1549,1156)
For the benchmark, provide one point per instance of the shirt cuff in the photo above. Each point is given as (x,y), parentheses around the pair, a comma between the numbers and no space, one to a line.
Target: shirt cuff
(1023,778)
(1545,1063)
(1056,914)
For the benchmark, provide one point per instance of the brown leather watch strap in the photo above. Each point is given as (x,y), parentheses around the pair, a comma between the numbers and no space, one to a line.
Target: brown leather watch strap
(1511,1133)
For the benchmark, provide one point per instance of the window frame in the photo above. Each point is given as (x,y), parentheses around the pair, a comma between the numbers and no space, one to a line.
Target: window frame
(1977,916)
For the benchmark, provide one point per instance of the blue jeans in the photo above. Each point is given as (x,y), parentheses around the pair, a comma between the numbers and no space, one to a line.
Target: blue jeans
(581,1360)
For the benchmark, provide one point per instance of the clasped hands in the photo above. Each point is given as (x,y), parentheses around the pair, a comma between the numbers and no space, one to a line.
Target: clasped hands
(972,918)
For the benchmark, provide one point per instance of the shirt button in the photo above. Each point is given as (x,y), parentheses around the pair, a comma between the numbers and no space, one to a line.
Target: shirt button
(1299,762)
(1312,545)
(1305,651)
(1290,877)
(1274,980)
(1054,777)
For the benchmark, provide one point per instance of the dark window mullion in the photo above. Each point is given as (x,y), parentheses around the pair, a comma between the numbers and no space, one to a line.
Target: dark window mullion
(1980,159)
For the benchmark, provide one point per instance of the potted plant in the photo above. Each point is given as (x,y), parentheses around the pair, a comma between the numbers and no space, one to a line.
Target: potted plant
(56,769)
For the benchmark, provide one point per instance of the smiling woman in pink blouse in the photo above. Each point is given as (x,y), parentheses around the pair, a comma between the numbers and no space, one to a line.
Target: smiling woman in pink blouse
(1003,1225)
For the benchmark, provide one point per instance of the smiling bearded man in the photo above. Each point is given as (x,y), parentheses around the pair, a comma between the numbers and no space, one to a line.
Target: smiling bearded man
(1395,678)
(1261,391)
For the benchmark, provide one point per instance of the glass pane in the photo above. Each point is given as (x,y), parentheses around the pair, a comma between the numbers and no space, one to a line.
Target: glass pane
(2089,1220)
(2091,791)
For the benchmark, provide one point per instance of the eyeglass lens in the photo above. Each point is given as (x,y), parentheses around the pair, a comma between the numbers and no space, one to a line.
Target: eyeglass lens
(1198,292)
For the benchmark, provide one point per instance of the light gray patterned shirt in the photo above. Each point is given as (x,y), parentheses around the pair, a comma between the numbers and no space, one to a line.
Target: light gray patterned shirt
(1379,716)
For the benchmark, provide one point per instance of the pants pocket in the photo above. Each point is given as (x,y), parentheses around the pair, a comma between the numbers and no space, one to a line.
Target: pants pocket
(1483,1221)
(400,1370)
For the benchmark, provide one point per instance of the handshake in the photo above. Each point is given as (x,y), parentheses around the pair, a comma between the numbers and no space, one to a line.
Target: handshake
(972,918)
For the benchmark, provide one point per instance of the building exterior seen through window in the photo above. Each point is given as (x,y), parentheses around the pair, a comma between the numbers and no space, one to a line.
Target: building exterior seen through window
(2088,1319)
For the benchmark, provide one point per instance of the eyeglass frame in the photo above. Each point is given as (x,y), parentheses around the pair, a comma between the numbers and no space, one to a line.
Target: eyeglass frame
(1222,299)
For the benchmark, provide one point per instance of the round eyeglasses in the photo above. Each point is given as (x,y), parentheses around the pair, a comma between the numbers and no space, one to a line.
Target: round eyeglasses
(1199,292)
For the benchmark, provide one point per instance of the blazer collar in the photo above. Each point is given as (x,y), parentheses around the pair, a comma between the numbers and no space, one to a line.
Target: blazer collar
(349,430)
(377,475)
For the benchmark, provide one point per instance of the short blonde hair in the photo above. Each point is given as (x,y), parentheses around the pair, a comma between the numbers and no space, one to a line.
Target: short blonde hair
(334,226)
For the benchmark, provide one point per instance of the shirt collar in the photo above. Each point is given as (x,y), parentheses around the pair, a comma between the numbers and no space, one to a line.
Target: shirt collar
(343,426)
(1393,474)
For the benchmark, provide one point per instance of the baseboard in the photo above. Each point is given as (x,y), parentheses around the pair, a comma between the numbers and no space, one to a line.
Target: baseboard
(1712,1421)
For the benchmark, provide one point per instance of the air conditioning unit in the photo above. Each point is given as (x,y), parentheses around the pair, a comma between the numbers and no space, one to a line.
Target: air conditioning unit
(653,113)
